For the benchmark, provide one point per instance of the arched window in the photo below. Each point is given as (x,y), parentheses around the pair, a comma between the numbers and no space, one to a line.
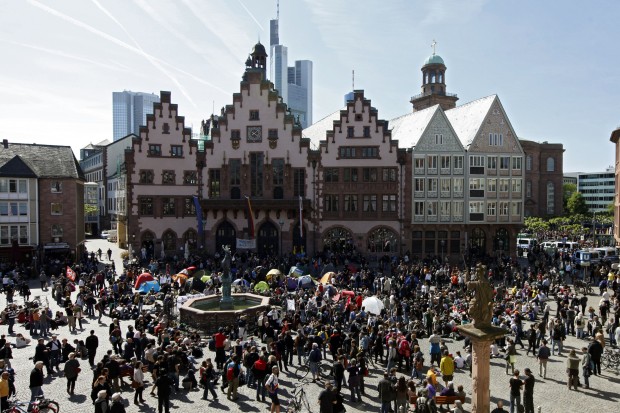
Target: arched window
(550,164)
(550,197)
(382,240)
(528,162)
(190,237)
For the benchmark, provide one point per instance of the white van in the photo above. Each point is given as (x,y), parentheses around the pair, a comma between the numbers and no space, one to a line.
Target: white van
(526,243)
(566,245)
(112,236)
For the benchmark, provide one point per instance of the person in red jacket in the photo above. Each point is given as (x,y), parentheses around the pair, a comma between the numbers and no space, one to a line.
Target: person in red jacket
(220,354)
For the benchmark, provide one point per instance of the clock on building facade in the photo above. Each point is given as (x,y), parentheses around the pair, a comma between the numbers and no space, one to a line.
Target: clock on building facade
(255,134)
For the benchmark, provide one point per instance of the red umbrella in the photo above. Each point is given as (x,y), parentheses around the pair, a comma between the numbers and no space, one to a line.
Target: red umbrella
(192,268)
(142,278)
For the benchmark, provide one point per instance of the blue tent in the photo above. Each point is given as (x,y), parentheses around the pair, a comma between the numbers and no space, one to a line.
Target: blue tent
(148,286)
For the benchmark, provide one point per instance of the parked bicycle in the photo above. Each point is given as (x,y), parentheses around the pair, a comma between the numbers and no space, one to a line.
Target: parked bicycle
(40,405)
(299,399)
(610,359)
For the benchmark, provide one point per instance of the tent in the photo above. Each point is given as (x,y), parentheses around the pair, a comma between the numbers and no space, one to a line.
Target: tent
(373,305)
(148,286)
(142,278)
(291,283)
(296,272)
(180,277)
(275,271)
(305,282)
(241,281)
(261,287)
(327,278)
(205,278)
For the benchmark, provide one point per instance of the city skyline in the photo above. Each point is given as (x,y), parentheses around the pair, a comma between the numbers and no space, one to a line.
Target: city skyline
(62,61)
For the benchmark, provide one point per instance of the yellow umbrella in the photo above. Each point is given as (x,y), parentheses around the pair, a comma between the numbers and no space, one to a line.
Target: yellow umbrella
(274,271)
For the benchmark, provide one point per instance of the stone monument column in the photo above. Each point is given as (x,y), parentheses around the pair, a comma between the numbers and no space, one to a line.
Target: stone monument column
(481,334)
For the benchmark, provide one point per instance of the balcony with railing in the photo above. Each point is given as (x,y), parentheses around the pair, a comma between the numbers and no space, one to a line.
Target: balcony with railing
(429,93)
(445,194)
(418,218)
(458,171)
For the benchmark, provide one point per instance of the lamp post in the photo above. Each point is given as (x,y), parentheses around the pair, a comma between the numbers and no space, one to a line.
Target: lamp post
(281,222)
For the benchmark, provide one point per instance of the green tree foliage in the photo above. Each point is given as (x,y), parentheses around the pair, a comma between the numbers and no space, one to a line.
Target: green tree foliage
(536,226)
(576,204)
(568,190)
(90,209)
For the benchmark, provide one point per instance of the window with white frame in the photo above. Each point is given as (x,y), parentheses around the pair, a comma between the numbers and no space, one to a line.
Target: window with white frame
(504,162)
(516,186)
(550,197)
(476,207)
(432,184)
(503,208)
(496,139)
(458,161)
(476,160)
(388,203)
(418,184)
(445,185)
(457,208)
(492,184)
(438,139)
(550,164)
(528,162)
(515,208)
(492,162)
(504,184)
(444,208)
(9,233)
(517,163)
(476,183)
(418,208)
(418,163)
(491,208)
(458,184)
(445,162)
(432,161)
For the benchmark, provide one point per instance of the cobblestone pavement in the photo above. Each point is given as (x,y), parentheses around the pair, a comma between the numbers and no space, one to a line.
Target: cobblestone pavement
(551,394)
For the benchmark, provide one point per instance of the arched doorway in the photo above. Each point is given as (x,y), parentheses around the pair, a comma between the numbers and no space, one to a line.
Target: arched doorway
(191,239)
(268,239)
(478,242)
(382,240)
(225,235)
(338,240)
(299,243)
(169,241)
(147,241)
(501,242)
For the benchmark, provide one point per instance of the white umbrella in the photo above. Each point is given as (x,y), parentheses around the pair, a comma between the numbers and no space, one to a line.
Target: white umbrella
(373,305)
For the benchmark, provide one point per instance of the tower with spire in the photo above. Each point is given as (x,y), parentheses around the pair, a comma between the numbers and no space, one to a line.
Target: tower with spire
(434,85)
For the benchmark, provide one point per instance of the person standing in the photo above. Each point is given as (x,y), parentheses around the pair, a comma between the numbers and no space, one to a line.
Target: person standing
(447,367)
(354,381)
(272,388)
(220,353)
(515,384)
(138,383)
(117,405)
(91,343)
(572,367)
(511,356)
(36,381)
(4,391)
(72,370)
(531,340)
(543,357)
(586,367)
(327,399)
(528,391)
(596,351)
(387,393)
(233,379)
(163,384)
(207,377)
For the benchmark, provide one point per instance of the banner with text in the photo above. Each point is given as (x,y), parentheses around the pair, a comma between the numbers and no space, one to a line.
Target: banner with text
(246,244)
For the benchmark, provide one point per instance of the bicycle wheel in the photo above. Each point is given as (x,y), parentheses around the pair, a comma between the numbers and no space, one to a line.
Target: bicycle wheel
(607,361)
(325,370)
(293,406)
(302,371)
(52,407)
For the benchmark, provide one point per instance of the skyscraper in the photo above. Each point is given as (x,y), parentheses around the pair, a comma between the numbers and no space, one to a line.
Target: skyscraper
(300,91)
(129,110)
(293,83)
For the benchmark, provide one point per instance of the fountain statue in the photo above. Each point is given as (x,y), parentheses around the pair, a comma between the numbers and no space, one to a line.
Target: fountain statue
(481,306)
(226,303)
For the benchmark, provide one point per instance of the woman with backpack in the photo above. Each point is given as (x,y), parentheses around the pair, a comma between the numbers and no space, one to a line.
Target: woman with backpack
(207,379)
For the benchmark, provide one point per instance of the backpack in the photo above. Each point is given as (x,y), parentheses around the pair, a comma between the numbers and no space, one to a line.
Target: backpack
(230,371)
(422,406)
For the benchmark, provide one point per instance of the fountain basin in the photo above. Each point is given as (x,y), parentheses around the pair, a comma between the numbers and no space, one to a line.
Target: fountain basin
(204,312)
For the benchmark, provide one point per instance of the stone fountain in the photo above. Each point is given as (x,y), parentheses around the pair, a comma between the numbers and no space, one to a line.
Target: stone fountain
(213,311)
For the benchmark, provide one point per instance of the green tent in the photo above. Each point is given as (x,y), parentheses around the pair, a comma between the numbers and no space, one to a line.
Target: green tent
(261,287)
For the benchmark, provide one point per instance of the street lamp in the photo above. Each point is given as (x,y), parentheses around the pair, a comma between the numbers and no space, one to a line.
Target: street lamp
(281,222)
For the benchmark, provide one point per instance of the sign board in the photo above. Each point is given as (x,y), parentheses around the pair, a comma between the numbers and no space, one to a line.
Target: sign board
(246,244)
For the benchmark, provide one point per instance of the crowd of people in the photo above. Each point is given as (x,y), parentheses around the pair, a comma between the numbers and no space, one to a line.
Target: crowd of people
(409,339)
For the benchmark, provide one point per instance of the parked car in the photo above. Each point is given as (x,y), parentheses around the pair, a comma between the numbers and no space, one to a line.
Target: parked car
(105,234)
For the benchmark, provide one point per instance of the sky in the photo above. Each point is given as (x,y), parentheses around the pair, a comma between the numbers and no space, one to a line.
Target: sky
(553,63)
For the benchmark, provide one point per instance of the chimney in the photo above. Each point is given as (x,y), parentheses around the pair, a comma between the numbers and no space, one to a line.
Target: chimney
(5,143)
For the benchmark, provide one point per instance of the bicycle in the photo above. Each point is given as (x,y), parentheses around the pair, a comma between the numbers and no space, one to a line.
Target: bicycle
(40,405)
(302,370)
(298,399)
(611,359)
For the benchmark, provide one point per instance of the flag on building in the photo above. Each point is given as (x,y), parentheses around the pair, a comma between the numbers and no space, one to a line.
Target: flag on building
(70,273)
(301,219)
(250,219)
(198,217)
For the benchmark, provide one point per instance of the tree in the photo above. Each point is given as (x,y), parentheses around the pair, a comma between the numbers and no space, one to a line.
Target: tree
(90,209)
(576,204)
(569,189)
(536,226)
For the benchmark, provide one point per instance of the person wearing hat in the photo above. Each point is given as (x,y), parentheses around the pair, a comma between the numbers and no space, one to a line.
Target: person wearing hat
(117,404)
(528,391)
